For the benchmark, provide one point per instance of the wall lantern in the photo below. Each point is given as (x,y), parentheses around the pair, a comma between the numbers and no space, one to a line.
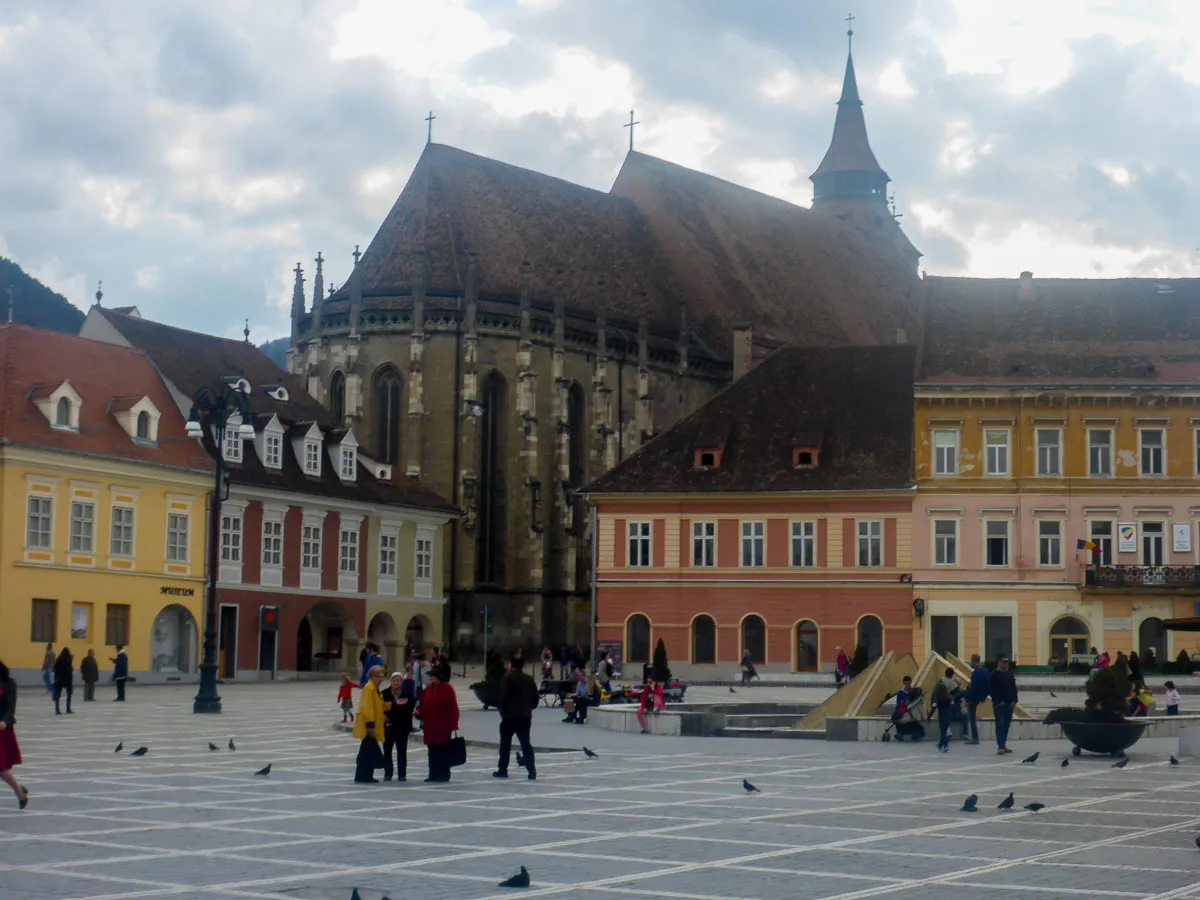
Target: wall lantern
(918,607)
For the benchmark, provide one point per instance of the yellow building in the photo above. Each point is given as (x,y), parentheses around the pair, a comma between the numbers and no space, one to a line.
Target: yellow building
(102,521)
(1013,473)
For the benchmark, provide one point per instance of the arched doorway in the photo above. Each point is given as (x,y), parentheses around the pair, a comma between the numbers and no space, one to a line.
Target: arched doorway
(304,646)
(637,638)
(383,633)
(173,641)
(1152,638)
(1069,641)
(331,627)
(870,636)
(414,634)
(704,640)
(807,635)
(754,639)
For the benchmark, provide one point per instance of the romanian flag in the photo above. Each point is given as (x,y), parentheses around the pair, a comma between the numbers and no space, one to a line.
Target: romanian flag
(1081,544)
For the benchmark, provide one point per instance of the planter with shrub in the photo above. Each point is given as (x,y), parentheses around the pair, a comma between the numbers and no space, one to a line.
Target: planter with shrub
(488,690)
(1101,727)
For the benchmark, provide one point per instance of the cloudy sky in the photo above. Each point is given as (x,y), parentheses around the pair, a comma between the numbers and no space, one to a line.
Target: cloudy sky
(190,152)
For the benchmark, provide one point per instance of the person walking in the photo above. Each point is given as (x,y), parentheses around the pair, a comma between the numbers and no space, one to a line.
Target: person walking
(564,660)
(368,728)
(10,753)
(399,701)
(518,700)
(1002,686)
(977,693)
(120,672)
(1135,666)
(943,704)
(89,671)
(604,671)
(64,678)
(439,721)
(48,669)
(841,667)
(373,659)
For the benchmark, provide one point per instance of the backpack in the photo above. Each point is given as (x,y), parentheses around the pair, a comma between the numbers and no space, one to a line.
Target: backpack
(941,694)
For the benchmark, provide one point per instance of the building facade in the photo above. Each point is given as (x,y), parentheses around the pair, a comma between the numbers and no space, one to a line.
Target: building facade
(103,513)
(1015,474)
(322,547)
(777,519)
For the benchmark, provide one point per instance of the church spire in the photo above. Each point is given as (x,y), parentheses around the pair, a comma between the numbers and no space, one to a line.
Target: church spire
(319,281)
(297,303)
(849,169)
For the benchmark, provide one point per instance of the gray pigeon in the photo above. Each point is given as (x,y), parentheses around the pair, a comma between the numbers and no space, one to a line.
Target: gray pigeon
(231,747)
(140,751)
(521,879)
(969,804)
(1029,760)
(732,691)
(1034,807)
(120,747)
(749,788)
(591,754)
(1065,763)
(1174,761)
(1198,843)
(1006,803)
(264,771)
(212,747)
(354,895)
(1122,764)
(1052,694)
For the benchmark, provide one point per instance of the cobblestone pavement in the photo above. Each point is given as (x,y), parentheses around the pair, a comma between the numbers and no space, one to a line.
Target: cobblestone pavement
(651,818)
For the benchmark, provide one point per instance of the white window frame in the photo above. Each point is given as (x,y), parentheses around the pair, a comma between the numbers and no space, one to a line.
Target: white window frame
(1093,472)
(272,450)
(349,464)
(803,538)
(1050,545)
(116,541)
(944,542)
(753,544)
(310,546)
(1111,537)
(1005,470)
(1037,449)
(389,543)
(83,539)
(39,522)
(868,543)
(231,536)
(423,558)
(945,457)
(639,544)
(987,564)
(348,551)
(1162,452)
(704,544)
(1164,547)
(312,457)
(272,540)
(231,446)
(179,527)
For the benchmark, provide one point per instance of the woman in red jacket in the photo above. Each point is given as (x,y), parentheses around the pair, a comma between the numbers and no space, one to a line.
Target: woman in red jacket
(439,720)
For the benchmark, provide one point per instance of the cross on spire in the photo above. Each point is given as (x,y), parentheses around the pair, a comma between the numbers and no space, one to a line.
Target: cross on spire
(356,255)
(246,332)
(630,125)
(429,121)
(850,31)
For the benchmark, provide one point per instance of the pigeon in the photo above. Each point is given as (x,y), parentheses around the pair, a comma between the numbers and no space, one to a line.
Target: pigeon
(1006,803)
(1198,843)
(140,751)
(749,788)
(520,760)
(264,771)
(1054,695)
(231,747)
(521,879)
(1030,760)
(969,804)
(732,691)
(1034,807)
(1122,764)
(1065,763)
(212,747)
(354,895)
(591,754)
(1174,761)
(120,747)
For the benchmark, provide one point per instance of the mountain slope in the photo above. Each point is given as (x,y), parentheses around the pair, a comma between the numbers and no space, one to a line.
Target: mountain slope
(34,303)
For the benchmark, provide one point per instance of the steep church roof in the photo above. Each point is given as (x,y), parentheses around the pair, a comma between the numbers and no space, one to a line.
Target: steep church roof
(663,239)
(849,150)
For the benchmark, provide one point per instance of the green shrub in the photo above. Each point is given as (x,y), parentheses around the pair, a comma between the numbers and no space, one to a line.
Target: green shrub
(1108,695)
(1149,660)
(659,668)
(1069,714)
(859,661)
(1183,663)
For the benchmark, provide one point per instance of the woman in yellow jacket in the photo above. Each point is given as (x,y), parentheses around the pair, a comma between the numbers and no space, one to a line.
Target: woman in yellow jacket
(368,728)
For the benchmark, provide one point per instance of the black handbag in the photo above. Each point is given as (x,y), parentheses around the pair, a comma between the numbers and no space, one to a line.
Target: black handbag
(457,751)
(369,754)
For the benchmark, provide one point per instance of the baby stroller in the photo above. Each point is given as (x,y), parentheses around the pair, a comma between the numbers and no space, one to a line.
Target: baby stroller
(907,721)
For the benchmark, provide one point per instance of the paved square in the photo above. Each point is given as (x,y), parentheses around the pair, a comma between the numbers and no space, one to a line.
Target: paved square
(652,818)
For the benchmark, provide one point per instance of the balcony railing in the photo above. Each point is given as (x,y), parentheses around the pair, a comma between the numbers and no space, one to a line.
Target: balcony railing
(1142,576)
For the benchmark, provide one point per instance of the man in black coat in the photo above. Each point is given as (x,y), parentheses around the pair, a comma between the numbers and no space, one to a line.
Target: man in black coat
(1002,686)
(518,698)
(90,672)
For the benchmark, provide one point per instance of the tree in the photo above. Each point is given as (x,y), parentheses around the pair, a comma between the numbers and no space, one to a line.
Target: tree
(660,670)
(859,661)
(1108,695)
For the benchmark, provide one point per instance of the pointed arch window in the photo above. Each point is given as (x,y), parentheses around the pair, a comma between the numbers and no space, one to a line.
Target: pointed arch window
(387,391)
(492,506)
(62,413)
(577,469)
(143,426)
(337,397)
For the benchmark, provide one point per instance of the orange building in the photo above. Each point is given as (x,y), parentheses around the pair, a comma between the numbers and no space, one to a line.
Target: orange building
(777,519)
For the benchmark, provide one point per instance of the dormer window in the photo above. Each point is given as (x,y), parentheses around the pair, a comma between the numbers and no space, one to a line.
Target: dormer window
(231,446)
(349,470)
(707,458)
(59,403)
(312,458)
(272,450)
(143,426)
(343,454)
(62,413)
(805,457)
(137,416)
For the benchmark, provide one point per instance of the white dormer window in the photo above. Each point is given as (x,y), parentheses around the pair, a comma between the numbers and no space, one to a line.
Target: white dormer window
(231,446)
(268,442)
(349,464)
(306,446)
(138,416)
(343,456)
(312,458)
(142,426)
(59,403)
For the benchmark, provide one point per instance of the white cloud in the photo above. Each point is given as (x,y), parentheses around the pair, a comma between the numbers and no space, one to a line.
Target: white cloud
(56,275)
(960,149)
(146,278)
(893,82)
(1119,174)
(777,177)
(579,84)
(119,201)
(681,135)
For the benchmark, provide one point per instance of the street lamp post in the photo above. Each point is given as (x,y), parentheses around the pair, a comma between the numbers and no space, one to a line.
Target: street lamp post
(212,410)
